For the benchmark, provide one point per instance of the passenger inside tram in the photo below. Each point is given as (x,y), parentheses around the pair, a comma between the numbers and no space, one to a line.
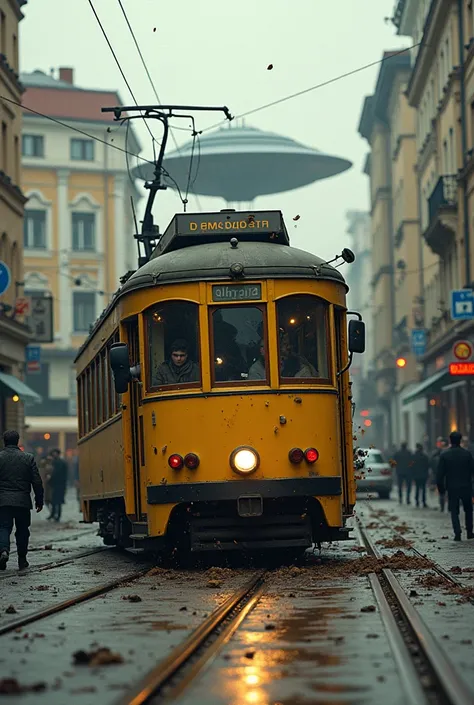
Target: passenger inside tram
(179,369)
(235,333)
(257,368)
(293,364)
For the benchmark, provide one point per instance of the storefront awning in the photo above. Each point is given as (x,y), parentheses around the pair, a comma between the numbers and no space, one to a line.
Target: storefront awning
(431,384)
(15,385)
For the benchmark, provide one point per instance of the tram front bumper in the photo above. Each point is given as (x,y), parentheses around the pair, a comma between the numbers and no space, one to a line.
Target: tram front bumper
(250,514)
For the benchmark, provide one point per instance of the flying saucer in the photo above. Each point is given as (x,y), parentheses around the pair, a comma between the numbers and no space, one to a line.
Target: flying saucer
(241,163)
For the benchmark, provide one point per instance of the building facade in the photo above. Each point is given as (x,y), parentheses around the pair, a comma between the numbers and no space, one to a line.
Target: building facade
(14,334)
(388,124)
(78,230)
(441,91)
(360,299)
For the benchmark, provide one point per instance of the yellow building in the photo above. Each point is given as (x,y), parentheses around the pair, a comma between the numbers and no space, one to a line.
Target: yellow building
(388,124)
(78,233)
(441,90)
(14,334)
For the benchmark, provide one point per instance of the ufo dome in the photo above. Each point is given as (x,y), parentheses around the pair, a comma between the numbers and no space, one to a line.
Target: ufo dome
(240,163)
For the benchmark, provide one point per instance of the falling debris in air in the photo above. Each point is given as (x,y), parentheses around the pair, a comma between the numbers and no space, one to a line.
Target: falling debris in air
(154,29)
(297,217)
(269,67)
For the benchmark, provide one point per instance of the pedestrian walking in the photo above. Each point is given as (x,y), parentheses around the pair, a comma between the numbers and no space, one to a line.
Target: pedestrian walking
(441,445)
(45,471)
(58,483)
(421,468)
(403,459)
(18,476)
(455,476)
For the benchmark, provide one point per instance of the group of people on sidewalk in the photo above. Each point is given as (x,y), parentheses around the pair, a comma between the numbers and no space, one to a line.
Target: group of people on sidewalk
(452,472)
(19,475)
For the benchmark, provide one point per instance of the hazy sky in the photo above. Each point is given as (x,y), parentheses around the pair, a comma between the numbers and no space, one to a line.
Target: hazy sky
(216,52)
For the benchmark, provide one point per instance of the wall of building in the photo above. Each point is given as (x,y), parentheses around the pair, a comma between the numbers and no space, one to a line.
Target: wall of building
(81,272)
(13,333)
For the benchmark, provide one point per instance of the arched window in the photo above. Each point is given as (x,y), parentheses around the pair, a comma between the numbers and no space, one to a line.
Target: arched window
(172,342)
(303,340)
(238,345)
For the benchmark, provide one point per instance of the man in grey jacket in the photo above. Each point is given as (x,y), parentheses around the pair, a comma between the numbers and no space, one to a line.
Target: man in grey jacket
(18,476)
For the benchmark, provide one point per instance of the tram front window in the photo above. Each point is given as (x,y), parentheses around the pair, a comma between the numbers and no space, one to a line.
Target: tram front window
(303,338)
(239,349)
(173,345)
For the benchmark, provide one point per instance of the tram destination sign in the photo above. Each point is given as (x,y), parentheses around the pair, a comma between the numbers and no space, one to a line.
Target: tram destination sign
(258,222)
(236,292)
(194,228)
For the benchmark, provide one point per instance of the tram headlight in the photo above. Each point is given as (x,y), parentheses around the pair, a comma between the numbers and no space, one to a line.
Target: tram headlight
(244,460)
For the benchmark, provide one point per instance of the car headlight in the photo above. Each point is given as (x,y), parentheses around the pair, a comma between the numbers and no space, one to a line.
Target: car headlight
(244,460)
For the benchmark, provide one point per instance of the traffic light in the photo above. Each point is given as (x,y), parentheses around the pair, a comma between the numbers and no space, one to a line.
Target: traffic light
(401,362)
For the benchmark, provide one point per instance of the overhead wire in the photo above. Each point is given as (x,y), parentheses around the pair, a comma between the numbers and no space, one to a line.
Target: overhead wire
(143,159)
(159,102)
(318,85)
(119,66)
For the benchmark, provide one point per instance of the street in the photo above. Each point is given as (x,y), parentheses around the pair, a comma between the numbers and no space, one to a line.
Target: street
(315,632)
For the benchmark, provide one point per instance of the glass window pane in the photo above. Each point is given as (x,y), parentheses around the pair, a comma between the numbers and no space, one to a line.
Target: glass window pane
(83,310)
(303,338)
(238,344)
(173,340)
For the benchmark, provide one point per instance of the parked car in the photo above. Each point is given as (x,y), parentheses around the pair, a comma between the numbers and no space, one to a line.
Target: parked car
(376,474)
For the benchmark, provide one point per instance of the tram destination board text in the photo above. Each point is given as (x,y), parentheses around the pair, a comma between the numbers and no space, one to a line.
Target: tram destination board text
(258,222)
(236,292)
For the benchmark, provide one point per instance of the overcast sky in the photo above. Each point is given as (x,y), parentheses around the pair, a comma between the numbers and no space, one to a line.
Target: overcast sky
(216,52)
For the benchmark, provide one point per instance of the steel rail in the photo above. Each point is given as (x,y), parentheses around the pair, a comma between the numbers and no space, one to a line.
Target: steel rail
(436,567)
(150,686)
(53,564)
(54,540)
(72,601)
(447,679)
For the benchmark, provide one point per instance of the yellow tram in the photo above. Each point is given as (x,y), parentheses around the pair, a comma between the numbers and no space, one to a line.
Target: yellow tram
(214,397)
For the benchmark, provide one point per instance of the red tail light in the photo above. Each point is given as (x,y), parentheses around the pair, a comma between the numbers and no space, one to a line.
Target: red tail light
(175,461)
(296,455)
(385,471)
(191,461)
(311,455)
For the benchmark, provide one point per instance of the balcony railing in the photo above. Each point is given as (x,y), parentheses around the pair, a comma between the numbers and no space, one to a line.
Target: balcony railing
(444,194)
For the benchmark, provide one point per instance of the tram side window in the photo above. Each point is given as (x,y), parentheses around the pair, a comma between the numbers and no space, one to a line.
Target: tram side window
(303,338)
(173,344)
(239,349)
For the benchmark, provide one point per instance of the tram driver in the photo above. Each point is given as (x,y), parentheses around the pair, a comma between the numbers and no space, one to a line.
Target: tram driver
(179,369)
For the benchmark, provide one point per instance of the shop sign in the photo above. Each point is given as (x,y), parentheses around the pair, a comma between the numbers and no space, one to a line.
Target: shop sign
(460,369)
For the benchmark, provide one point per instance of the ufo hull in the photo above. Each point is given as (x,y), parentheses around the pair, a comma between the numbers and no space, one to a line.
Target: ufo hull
(243,163)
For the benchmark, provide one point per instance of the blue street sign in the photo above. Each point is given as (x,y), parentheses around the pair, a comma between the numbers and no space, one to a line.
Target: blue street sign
(5,277)
(462,304)
(418,341)
(33,353)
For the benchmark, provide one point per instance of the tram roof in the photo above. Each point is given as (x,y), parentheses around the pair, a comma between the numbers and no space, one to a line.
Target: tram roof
(179,258)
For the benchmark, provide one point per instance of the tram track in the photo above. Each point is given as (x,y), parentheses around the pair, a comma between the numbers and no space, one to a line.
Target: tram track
(61,539)
(174,674)
(53,564)
(435,567)
(73,601)
(426,673)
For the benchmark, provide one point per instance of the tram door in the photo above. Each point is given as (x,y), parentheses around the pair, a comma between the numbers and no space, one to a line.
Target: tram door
(343,393)
(136,417)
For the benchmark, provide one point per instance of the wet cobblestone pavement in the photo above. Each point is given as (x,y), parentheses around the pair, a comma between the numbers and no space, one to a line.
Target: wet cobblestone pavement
(316,636)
